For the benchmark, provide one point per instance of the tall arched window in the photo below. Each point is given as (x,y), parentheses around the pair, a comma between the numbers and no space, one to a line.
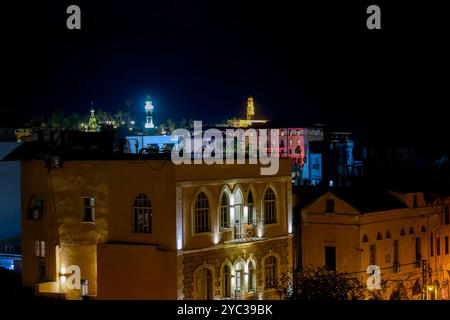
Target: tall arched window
(224,211)
(226,280)
(271,271)
(270,207)
(239,276)
(251,209)
(201,213)
(251,277)
(142,214)
(203,280)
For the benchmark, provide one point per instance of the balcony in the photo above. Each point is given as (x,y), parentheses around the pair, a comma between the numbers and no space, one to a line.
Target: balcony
(246,232)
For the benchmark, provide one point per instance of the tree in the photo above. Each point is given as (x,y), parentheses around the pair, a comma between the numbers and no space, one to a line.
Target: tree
(182,123)
(72,122)
(320,284)
(35,122)
(170,125)
(121,118)
(56,120)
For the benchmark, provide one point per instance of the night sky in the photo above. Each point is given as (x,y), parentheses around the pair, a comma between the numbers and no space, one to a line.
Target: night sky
(312,62)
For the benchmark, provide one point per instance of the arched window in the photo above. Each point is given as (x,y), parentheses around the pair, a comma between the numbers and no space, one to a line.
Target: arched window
(270,207)
(142,214)
(365,238)
(224,211)
(239,276)
(203,280)
(271,271)
(379,236)
(423,229)
(388,234)
(402,232)
(411,230)
(251,209)
(226,281)
(251,277)
(201,213)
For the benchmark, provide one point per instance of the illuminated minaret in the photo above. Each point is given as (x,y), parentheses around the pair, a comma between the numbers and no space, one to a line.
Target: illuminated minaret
(250,108)
(149,113)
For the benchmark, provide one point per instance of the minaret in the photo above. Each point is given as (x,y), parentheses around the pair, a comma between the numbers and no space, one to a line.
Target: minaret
(92,124)
(250,108)
(149,113)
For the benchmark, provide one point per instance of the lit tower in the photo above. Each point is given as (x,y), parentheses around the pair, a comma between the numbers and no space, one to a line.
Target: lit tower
(250,108)
(149,113)
(92,124)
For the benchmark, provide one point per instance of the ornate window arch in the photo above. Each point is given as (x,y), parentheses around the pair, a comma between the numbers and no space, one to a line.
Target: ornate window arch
(224,211)
(270,206)
(271,269)
(203,282)
(225,279)
(251,274)
(251,206)
(201,212)
(238,210)
(239,276)
(142,214)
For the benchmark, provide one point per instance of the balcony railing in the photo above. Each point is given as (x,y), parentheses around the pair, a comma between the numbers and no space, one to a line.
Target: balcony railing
(244,232)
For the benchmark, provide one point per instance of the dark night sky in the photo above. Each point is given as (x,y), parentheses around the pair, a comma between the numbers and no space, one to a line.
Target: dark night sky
(311,62)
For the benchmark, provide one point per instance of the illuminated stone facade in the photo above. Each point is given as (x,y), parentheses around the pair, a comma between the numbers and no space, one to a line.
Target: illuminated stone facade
(393,230)
(135,229)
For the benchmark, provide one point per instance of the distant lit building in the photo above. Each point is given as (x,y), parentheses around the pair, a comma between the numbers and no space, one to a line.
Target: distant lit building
(10,254)
(147,143)
(92,125)
(250,117)
(149,113)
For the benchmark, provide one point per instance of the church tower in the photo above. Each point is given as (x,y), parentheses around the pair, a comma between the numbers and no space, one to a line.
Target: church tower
(250,108)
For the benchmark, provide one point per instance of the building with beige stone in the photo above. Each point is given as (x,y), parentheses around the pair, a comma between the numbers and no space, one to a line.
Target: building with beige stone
(406,234)
(140,227)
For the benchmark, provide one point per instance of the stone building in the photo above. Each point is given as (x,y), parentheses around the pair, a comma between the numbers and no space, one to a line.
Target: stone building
(140,227)
(406,234)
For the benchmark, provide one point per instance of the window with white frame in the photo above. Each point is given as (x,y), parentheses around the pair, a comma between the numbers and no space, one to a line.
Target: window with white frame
(224,211)
(87,209)
(201,213)
(142,214)
(270,206)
